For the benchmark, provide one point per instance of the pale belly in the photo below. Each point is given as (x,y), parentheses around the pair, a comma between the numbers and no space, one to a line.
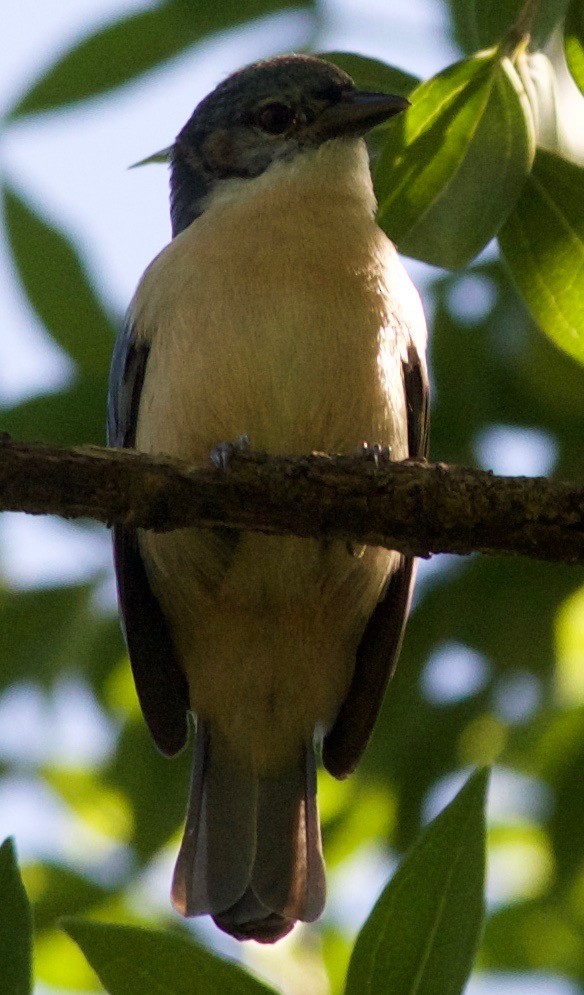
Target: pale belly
(266,628)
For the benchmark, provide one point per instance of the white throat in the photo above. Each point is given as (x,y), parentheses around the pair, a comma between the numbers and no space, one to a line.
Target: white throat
(339,167)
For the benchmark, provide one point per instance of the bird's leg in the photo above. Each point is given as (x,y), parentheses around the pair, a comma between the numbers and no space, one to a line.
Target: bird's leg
(223,451)
(375,452)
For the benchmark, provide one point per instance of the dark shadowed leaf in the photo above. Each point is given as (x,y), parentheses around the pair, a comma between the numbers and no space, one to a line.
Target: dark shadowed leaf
(480,23)
(43,633)
(58,287)
(543,245)
(56,890)
(73,418)
(554,752)
(372,74)
(122,51)
(15,927)
(132,961)
(143,776)
(456,161)
(574,41)
(423,933)
(537,935)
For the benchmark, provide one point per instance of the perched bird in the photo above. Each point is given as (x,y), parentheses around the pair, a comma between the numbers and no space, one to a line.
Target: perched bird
(279,310)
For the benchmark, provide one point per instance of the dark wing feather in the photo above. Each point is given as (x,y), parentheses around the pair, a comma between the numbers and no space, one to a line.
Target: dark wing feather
(381,641)
(160,684)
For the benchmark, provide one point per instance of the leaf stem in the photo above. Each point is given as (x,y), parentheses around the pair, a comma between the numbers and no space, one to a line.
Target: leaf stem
(517,38)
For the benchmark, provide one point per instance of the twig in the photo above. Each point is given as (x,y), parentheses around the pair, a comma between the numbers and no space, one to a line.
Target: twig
(415,507)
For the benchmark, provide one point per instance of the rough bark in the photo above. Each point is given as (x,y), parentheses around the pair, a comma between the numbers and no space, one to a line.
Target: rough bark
(418,508)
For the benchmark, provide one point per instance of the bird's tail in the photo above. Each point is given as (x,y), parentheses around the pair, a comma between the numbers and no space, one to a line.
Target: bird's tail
(251,851)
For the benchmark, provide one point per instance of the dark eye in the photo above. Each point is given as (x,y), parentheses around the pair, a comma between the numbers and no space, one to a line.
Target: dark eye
(276,118)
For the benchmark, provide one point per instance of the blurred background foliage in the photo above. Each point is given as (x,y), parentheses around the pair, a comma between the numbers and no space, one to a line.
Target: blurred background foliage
(492,670)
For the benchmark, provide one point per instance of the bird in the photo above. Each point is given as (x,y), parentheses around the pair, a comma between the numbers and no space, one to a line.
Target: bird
(278,311)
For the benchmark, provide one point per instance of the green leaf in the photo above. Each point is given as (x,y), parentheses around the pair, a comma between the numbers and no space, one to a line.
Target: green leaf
(102,808)
(45,632)
(132,961)
(456,161)
(122,51)
(58,287)
(56,891)
(372,74)
(423,932)
(74,417)
(537,935)
(574,41)
(142,775)
(543,245)
(480,23)
(15,927)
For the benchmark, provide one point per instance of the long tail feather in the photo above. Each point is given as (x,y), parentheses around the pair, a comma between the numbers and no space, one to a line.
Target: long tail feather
(251,852)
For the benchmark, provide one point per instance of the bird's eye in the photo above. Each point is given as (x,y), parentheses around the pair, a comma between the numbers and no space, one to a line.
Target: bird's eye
(276,118)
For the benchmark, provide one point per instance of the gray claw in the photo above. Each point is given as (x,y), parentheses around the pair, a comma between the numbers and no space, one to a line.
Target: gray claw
(375,452)
(223,451)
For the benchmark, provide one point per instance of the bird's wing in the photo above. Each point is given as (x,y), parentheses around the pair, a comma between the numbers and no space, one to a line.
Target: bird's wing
(161,686)
(381,641)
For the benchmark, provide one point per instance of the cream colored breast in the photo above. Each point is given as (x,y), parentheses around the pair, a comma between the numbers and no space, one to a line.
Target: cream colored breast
(269,316)
(283,313)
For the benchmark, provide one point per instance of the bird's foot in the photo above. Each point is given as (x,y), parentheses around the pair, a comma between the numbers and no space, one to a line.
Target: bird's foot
(374,452)
(378,454)
(221,454)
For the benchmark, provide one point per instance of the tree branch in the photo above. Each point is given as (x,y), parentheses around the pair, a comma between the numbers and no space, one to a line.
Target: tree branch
(414,507)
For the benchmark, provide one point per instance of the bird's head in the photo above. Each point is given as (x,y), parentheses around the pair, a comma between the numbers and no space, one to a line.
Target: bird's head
(263,114)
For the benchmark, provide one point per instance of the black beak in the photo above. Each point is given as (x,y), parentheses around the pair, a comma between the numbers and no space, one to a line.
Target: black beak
(357,113)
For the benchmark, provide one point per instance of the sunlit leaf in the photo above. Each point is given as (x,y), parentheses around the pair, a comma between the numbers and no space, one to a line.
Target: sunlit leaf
(574,41)
(124,50)
(132,961)
(570,649)
(543,245)
(60,964)
(482,741)
(520,862)
(119,691)
(15,927)
(456,161)
(58,287)
(336,952)
(103,808)
(369,819)
(423,932)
